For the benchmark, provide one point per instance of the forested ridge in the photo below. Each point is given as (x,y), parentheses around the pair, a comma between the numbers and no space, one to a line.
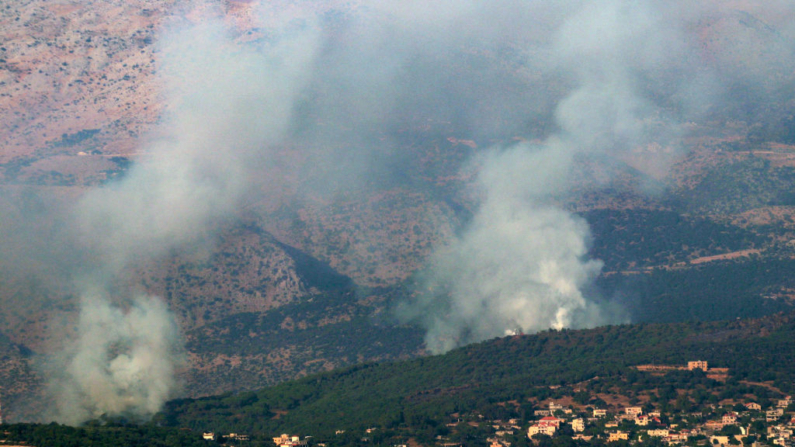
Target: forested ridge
(494,380)
(507,369)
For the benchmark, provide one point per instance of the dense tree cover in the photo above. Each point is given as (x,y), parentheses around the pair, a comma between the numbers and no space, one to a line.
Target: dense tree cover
(631,240)
(737,186)
(330,327)
(626,238)
(781,130)
(358,332)
(711,291)
(98,435)
(424,392)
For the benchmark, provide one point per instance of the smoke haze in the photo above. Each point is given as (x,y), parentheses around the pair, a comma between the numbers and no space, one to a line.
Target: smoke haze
(578,79)
(230,105)
(636,73)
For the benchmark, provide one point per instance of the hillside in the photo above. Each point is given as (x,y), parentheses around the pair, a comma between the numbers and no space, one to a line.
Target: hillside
(514,372)
(684,192)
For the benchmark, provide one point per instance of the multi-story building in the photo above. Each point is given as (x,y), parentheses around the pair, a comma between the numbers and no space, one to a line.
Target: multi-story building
(729,418)
(536,429)
(618,436)
(286,440)
(633,411)
(773,414)
(546,426)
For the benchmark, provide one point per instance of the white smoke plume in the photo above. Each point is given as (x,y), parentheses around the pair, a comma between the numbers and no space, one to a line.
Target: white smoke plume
(636,72)
(232,104)
(519,265)
(122,363)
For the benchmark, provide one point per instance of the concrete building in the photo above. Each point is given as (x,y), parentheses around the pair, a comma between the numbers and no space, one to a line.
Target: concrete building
(633,411)
(729,418)
(546,426)
(536,429)
(618,436)
(286,440)
(773,414)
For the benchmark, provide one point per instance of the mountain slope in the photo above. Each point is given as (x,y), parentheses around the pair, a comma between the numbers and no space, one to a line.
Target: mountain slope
(507,369)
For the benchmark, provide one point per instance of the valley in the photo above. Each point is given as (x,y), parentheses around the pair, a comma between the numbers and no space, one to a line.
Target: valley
(345,206)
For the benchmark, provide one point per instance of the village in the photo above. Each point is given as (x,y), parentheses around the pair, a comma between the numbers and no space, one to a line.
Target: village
(750,425)
(745,423)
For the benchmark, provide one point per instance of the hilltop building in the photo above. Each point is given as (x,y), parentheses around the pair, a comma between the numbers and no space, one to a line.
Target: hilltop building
(618,436)
(698,364)
(633,411)
(546,426)
(286,440)
(729,418)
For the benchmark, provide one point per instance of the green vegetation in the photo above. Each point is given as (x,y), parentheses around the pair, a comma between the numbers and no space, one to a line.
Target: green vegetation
(98,435)
(738,186)
(624,239)
(780,130)
(647,253)
(499,378)
(712,291)
(72,139)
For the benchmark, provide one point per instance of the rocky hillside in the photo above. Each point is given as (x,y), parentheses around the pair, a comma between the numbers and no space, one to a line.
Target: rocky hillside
(306,276)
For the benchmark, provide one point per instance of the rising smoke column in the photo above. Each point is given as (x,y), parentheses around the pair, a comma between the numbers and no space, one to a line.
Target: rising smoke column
(519,265)
(233,104)
(522,262)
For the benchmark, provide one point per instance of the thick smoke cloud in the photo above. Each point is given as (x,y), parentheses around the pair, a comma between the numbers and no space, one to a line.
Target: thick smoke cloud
(123,361)
(636,72)
(520,264)
(231,105)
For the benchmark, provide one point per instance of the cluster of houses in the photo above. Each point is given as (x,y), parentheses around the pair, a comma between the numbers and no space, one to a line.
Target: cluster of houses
(632,424)
(746,423)
(501,430)
(212,436)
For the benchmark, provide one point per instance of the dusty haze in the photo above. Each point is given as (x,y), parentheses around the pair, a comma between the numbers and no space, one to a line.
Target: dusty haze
(547,83)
